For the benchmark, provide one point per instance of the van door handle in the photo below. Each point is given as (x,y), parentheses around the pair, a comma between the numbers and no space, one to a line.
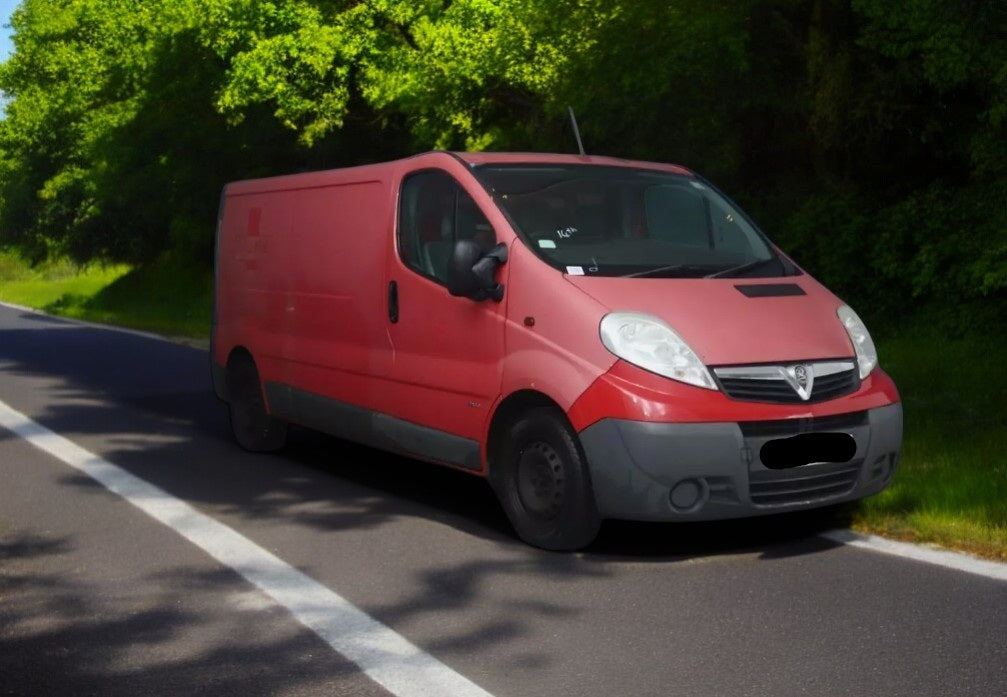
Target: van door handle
(393,302)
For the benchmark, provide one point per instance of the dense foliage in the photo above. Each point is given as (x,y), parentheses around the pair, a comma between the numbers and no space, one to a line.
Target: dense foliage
(869,137)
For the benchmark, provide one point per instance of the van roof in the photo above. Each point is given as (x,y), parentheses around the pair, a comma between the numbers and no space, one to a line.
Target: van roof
(379,169)
(484,158)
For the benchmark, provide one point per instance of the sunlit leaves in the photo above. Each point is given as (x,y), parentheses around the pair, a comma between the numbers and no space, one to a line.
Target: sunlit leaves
(127,116)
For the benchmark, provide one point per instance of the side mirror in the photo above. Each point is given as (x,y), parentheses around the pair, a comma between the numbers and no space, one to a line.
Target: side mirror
(470,272)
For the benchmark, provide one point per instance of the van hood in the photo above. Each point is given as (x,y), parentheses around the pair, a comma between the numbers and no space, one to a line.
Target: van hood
(734,321)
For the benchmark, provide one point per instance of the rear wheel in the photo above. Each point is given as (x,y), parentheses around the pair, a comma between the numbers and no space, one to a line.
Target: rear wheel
(253,427)
(541,478)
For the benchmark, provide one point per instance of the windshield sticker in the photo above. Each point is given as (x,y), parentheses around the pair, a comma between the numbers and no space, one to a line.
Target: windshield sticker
(575,270)
(546,244)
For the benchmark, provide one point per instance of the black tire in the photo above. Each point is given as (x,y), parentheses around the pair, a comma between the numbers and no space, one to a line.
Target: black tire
(540,476)
(253,427)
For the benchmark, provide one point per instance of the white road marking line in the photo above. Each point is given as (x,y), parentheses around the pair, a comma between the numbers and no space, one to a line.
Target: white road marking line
(938,557)
(386,657)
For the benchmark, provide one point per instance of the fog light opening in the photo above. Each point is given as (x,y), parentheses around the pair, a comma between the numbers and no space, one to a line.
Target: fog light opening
(883,468)
(689,495)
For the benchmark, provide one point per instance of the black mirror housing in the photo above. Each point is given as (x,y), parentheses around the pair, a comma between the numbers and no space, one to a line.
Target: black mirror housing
(470,272)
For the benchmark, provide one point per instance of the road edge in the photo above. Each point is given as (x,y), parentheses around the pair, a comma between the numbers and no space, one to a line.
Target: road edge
(191,342)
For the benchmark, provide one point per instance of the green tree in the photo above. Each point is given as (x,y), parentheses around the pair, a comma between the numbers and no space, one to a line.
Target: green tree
(868,136)
(118,136)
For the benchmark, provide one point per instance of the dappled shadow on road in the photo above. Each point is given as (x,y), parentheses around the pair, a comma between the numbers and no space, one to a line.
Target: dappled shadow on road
(158,377)
(167,635)
(445,591)
(28,545)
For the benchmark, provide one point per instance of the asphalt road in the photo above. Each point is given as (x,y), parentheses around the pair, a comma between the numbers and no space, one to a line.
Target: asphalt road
(98,598)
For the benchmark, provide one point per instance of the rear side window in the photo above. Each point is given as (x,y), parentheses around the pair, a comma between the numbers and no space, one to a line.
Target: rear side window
(435,212)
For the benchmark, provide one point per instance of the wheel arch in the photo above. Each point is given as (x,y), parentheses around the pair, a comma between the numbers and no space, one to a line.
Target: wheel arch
(224,384)
(509,409)
(525,421)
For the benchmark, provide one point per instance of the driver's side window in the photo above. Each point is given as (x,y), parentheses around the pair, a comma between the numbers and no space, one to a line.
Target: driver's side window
(435,212)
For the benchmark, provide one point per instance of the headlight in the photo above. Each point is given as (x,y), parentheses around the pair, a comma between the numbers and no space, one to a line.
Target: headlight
(867,355)
(646,341)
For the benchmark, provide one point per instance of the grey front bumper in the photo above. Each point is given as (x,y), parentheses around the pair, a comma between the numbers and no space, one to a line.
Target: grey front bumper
(708,471)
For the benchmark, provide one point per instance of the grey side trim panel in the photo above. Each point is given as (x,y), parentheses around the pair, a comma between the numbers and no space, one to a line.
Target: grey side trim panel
(370,428)
(428,442)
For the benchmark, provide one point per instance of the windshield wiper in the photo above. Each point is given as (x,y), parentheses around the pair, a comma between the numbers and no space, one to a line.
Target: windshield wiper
(667,269)
(748,266)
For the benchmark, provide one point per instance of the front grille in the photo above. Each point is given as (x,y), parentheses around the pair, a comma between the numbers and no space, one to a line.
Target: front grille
(803,484)
(759,390)
(777,384)
(837,385)
(791,427)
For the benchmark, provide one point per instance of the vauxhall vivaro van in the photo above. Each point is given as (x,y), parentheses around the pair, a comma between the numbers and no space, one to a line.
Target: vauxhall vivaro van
(601,338)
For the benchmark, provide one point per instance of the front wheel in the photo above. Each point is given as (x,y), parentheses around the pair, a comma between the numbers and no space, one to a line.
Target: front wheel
(541,478)
(253,427)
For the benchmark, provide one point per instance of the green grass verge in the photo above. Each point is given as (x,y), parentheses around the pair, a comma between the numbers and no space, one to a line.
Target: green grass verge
(951,487)
(168,297)
(39,288)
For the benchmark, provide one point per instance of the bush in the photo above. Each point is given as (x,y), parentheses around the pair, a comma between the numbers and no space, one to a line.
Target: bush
(943,248)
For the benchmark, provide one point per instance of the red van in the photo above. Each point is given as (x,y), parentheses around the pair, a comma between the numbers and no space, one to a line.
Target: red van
(600,338)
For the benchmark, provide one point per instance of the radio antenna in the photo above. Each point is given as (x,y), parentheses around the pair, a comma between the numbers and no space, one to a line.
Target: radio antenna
(576,131)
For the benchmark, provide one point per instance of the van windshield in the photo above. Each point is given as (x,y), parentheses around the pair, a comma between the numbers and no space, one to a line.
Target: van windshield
(616,221)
